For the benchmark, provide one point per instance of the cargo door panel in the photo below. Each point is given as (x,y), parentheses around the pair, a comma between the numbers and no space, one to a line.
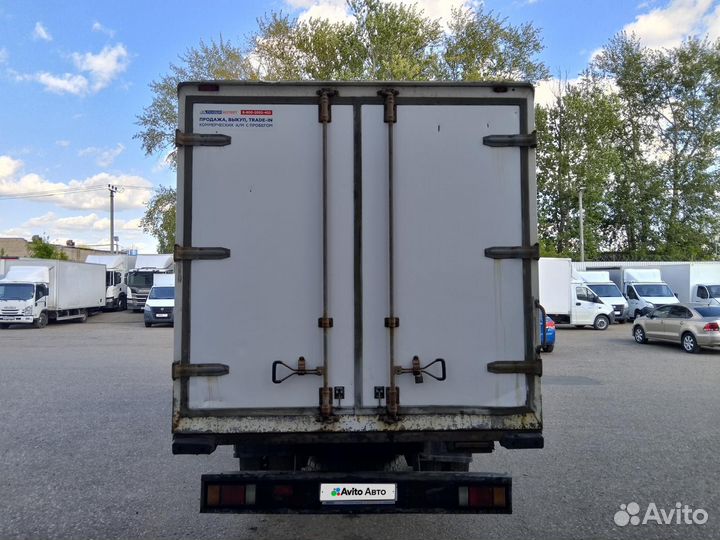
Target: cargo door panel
(261,197)
(452,301)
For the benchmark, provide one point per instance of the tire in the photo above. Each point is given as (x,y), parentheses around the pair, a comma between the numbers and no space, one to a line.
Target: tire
(148,325)
(639,335)
(122,303)
(41,321)
(689,343)
(601,322)
(4,326)
(548,348)
(83,317)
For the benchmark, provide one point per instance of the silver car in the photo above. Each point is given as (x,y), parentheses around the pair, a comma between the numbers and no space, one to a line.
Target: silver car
(691,325)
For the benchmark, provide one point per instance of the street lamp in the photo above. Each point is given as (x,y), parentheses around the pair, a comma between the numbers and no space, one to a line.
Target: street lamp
(582,218)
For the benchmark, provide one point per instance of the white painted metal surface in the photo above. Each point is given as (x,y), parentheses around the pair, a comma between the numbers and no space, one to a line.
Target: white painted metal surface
(261,198)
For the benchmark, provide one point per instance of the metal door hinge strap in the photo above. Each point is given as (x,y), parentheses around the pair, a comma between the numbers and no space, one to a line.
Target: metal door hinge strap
(325,322)
(198,370)
(300,370)
(201,139)
(509,366)
(527,140)
(189,253)
(417,370)
(514,252)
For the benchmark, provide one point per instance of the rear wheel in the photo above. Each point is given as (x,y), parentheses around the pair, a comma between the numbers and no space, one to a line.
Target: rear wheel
(601,322)
(148,325)
(689,343)
(548,348)
(639,334)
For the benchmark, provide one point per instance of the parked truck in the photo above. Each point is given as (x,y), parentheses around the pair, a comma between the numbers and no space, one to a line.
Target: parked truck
(116,268)
(694,281)
(140,279)
(356,309)
(599,282)
(36,291)
(643,288)
(567,299)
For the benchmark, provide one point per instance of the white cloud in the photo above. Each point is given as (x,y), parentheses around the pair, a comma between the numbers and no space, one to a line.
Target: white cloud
(713,24)
(668,26)
(336,10)
(40,32)
(67,84)
(104,66)
(88,194)
(4,55)
(98,27)
(104,157)
(63,143)
(9,167)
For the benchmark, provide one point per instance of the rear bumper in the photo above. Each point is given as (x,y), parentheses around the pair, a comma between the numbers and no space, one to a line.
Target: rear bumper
(259,492)
(709,341)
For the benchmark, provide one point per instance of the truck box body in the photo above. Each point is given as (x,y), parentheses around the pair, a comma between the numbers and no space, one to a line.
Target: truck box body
(116,267)
(338,279)
(555,277)
(685,278)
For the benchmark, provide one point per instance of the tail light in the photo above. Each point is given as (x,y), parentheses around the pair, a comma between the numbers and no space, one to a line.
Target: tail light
(549,323)
(712,327)
(483,496)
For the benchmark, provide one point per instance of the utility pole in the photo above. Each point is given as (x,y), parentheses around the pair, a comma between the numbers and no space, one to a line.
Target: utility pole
(582,218)
(113,190)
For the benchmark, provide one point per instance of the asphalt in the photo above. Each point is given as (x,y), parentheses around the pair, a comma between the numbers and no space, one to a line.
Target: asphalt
(85,445)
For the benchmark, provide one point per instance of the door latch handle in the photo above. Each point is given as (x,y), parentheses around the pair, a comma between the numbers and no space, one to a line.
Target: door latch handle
(417,370)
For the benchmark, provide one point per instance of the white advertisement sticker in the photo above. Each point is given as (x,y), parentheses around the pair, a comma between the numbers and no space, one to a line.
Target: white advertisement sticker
(238,117)
(358,493)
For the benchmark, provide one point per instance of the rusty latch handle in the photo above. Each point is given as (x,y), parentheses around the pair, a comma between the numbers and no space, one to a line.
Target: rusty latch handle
(417,370)
(300,370)
(201,139)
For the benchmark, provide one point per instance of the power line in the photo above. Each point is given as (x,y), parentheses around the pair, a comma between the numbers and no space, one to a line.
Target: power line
(41,194)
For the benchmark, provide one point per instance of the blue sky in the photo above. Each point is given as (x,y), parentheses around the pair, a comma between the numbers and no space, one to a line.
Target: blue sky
(74,76)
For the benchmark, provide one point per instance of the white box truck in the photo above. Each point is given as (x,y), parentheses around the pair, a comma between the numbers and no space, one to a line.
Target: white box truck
(36,291)
(116,268)
(567,299)
(694,281)
(140,279)
(599,282)
(357,281)
(643,288)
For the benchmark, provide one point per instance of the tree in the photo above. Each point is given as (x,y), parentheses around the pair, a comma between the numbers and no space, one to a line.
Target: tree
(575,152)
(159,218)
(42,249)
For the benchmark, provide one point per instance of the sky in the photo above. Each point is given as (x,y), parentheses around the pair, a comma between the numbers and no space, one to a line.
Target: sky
(74,76)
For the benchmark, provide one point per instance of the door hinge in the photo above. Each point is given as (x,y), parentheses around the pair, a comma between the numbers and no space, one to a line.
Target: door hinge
(509,366)
(198,370)
(527,140)
(201,139)
(189,253)
(514,252)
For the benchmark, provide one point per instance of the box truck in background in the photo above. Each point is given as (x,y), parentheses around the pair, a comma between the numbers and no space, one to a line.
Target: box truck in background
(36,291)
(116,268)
(643,288)
(567,299)
(694,281)
(140,279)
(599,282)
(357,293)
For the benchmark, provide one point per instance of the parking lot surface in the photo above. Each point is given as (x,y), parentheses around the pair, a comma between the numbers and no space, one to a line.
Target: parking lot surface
(86,445)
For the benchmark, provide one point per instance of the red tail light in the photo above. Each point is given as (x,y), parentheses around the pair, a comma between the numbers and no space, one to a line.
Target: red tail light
(549,323)
(712,327)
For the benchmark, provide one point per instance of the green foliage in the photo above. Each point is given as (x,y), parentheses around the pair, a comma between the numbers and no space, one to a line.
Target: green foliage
(41,249)
(159,218)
